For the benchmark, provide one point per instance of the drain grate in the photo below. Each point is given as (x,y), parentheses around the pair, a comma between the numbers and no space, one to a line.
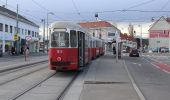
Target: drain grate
(103,82)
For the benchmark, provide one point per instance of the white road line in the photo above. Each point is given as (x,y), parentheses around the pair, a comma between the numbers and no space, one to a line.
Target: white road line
(166,71)
(138,91)
(155,66)
(140,64)
(160,68)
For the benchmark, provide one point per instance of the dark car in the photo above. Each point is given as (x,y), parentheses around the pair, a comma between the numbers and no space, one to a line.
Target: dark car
(134,53)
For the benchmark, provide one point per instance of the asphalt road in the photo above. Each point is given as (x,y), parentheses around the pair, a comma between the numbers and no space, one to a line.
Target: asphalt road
(153,82)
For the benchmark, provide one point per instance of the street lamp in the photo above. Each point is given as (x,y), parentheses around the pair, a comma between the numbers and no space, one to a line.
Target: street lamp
(43,20)
(47,27)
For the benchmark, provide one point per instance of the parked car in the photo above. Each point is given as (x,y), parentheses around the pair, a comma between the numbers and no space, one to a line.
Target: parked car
(164,49)
(134,53)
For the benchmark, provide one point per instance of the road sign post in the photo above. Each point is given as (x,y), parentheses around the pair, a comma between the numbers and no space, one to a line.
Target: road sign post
(15,37)
(27,38)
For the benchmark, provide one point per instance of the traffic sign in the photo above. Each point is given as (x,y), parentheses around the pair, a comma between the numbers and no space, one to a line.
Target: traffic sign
(15,37)
(28,38)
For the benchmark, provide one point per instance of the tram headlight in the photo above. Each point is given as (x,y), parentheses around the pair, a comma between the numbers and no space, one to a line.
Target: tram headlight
(58,58)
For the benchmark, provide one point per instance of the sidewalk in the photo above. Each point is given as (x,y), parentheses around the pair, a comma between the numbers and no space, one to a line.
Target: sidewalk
(108,80)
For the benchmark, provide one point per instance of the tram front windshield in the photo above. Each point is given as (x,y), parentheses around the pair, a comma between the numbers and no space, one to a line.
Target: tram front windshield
(60,39)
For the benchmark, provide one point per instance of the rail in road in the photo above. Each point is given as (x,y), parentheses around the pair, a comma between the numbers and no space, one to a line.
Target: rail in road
(18,72)
(62,92)
(14,67)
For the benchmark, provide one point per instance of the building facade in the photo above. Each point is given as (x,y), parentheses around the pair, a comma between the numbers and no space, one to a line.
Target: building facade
(103,30)
(8,28)
(159,34)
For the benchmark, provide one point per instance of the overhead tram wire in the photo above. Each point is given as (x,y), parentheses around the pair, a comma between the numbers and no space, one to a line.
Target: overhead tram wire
(165,5)
(77,10)
(46,9)
(33,17)
(140,4)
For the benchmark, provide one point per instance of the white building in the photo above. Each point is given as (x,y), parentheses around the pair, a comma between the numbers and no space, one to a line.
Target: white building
(159,34)
(25,28)
(102,29)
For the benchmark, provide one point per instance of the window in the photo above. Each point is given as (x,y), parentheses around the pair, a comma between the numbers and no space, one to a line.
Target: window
(64,39)
(22,31)
(6,28)
(1,27)
(18,30)
(25,32)
(35,34)
(11,29)
(29,33)
(73,38)
(15,29)
(32,33)
(111,34)
(60,39)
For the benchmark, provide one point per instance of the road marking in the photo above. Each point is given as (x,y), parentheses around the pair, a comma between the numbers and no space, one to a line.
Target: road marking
(140,64)
(166,71)
(155,66)
(138,91)
(147,60)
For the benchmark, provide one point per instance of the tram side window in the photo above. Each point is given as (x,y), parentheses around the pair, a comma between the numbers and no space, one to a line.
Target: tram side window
(73,38)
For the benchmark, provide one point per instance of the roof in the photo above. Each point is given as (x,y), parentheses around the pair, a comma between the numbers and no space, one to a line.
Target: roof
(166,19)
(96,24)
(6,12)
(65,24)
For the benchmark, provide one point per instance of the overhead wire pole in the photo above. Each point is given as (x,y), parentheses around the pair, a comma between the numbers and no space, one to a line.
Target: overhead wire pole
(141,39)
(43,20)
(6,3)
(18,40)
(47,29)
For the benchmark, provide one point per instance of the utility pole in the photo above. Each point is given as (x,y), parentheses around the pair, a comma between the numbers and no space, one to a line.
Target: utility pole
(17,41)
(47,29)
(141,40)
(158,42)
(43,20)
(117,46)
(6,4)
(47,32)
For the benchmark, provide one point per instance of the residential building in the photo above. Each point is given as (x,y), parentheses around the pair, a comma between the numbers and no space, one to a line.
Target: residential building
(159,34)
(102,29)
(8,28)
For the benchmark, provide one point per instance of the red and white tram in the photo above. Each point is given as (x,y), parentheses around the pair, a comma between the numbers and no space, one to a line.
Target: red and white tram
(71,48)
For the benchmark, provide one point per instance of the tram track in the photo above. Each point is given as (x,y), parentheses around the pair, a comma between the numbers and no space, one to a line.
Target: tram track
(31,87)
(62,93)
(30,69)
(21,66)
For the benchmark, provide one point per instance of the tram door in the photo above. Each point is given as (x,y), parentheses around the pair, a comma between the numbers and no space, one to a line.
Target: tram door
(81,48)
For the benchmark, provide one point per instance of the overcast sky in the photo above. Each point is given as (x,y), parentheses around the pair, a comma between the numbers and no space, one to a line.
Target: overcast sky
(84,10)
